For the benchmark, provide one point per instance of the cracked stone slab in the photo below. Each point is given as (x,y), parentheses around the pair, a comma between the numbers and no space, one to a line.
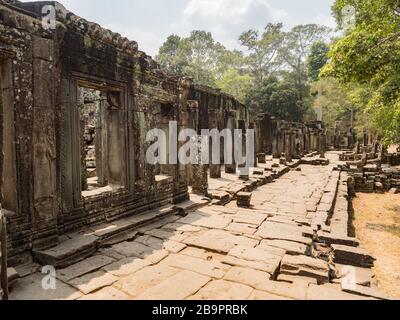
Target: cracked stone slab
(328,292)
(145,279)
(178,287)
(219,241)
(133,249)
(260,280)
(297,279)
(166,234)
(106,294)
(290,247)
(174,246)
(242,228)
(149,241)
(211,222)
(182,227)
(86,266)
(249,217)
(269,268)
(255,254)
(209,268)
(30,288)
(126,266)
(93,281)
(281,232)
(223,290)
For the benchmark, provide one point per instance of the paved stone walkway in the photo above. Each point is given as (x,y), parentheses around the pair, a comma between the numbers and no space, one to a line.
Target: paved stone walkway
(263,253)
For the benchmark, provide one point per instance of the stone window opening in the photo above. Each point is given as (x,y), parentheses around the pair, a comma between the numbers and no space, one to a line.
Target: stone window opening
(101,141)
(8,192)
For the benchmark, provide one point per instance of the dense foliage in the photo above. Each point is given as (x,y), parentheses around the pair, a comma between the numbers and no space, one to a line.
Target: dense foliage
(270,74)
(368,55)
(352,80)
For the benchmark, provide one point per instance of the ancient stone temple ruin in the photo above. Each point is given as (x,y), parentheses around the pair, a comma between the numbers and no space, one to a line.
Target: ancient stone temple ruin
(77,192)
(76,104)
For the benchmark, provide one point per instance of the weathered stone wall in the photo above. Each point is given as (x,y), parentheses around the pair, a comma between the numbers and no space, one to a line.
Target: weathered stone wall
(294,140)
(48,68)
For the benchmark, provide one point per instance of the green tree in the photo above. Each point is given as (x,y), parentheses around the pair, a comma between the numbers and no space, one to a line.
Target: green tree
(196,56)
(169,56)
(317,59)
(333,101)
(294,52)
(262,50)
(234,83)
(369,55)
(277,97)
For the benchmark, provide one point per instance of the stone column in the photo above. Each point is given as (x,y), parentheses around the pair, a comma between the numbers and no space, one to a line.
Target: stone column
(253,127)
(191,122)
(274,139)
(231,125)
(44,226)
(215,169)
(288,145)
(200,172)
(322,145)
(365,137)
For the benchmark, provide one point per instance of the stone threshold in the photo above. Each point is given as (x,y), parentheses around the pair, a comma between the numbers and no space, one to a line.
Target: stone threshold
(83,244)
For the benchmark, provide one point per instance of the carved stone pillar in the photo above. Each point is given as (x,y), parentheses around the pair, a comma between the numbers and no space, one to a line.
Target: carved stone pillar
(215,169)
(200,172)
(231,125)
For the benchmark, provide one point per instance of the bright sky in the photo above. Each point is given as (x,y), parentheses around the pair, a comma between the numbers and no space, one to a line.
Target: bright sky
(149,22)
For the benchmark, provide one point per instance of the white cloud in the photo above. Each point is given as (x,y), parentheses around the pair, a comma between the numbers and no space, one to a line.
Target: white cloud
(227,19)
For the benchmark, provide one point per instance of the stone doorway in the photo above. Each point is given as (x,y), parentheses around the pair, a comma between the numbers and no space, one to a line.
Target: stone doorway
(101,140)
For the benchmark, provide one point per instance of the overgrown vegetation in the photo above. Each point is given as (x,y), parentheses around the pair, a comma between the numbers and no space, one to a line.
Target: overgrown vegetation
(353,79)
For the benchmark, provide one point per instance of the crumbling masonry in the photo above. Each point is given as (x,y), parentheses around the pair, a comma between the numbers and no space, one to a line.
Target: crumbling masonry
(76,104)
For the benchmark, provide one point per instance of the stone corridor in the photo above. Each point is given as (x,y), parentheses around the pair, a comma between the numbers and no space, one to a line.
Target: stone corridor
(270,251)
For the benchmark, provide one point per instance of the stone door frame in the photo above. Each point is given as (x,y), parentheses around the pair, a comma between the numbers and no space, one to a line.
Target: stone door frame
(82,80)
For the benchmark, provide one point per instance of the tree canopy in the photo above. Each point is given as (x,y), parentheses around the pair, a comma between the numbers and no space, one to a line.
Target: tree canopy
(368,55)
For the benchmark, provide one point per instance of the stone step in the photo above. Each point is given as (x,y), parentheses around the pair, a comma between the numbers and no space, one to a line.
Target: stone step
(193,204)
(86,243)
(107,232)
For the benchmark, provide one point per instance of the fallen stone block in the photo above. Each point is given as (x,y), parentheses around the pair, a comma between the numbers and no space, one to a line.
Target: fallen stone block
(258,172)
(222,197)
(306,267)
(330,292)
(331,238)
(355,275)
(352,256)
(364,291)
(261,158)
(244,199)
